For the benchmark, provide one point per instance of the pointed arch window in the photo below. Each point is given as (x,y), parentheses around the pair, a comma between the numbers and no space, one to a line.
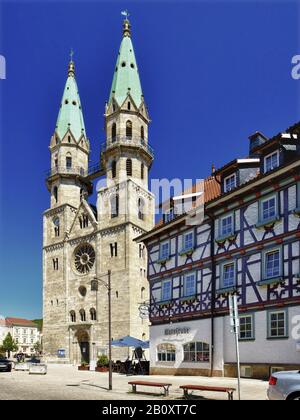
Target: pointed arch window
(129,129)
(114,203)
(93,314)
(142,133)
(73,316)
(141,208)
(113,132)
(129,167)
(128,106)
(113,169)
(82,315)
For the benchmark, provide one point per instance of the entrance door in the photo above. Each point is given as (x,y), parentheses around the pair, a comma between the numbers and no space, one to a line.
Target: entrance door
(85,351)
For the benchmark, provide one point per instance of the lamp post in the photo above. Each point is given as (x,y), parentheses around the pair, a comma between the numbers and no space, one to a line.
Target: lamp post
(108,287)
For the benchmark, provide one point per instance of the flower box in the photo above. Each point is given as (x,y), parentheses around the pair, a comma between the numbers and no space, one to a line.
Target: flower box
(22,366)
(267,223)
(187,252)
(102,369)
(84,367)
(270,282)
(37,369)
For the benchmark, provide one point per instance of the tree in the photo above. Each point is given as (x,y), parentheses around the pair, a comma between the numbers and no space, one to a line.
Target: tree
(37,347)
(9,344)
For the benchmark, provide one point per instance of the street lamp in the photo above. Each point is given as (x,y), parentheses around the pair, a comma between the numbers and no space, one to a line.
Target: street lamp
(108,286)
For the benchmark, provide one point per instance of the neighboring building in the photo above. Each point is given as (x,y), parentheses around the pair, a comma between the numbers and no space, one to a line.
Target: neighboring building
(82,242)
(4,330)
(248,244)
(25,333)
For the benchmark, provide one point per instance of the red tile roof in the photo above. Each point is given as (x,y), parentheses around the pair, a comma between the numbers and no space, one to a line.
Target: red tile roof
(212,190)
(20,322)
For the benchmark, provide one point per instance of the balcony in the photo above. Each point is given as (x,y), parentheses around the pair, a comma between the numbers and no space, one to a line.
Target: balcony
(129,142)
(66,170)
(93,171)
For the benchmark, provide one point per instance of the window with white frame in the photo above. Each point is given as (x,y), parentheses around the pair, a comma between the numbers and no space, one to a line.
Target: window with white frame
(164,251)
(166,352)
(272,161)
(188,240)
(272,264)
(277,324)
(228,275)
(226,225)
(246,327)
(230,183)
(189,286)
(166,290)
(268,210)
(196,352)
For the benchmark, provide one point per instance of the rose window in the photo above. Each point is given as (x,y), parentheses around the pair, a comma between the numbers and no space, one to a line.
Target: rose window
(84,258)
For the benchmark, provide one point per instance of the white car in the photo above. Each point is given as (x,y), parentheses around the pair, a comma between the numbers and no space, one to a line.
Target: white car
(284,386)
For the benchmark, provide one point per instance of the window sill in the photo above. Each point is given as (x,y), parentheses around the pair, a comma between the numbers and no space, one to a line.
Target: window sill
(164,304)
(285,337)
(188,299)
(267,223)
(229,237)
(243,340)
(270,282)
(226,290)
(162,260)
(186,252)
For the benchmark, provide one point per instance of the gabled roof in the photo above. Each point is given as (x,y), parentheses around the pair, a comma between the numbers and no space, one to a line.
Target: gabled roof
(19,322)
(126,78)
(70,114)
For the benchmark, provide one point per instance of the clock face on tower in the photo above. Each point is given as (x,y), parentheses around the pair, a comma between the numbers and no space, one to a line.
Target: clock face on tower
(84,258)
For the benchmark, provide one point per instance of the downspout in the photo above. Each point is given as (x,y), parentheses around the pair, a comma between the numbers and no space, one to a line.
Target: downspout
(213,293)
(213,282)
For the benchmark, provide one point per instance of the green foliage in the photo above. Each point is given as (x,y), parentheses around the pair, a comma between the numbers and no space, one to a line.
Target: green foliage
(8,344)
(103,361)
(37,347)
(39,323)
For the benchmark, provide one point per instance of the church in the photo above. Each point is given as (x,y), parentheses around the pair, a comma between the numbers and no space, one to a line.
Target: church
(82,243)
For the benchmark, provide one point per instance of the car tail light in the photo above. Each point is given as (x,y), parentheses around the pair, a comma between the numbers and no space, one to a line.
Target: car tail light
(273,381)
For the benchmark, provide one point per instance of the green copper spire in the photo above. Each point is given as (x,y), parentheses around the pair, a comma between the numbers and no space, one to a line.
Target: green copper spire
(70,113)
(126,77)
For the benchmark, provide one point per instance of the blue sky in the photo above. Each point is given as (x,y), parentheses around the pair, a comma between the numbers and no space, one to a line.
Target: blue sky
(212,74)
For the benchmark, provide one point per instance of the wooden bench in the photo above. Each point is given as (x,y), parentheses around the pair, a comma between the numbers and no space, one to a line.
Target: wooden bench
(155,384)
(229,391)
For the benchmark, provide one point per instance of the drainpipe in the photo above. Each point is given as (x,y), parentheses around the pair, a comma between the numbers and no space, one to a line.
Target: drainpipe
(213,292)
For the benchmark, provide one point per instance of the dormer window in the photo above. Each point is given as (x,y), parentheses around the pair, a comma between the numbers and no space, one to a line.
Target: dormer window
(272,161)
(230,183)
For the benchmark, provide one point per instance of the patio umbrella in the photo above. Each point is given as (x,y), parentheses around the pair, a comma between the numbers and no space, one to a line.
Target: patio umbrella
(129,341)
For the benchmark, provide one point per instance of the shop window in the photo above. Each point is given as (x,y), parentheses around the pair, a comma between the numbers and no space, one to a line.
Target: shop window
(166,352)
(196,352)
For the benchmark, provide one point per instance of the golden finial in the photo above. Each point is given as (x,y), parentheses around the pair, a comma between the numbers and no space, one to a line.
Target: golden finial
(71,69)
(126,23)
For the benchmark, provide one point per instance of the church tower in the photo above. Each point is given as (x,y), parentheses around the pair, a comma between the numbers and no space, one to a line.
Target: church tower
(125,205)
(82,242)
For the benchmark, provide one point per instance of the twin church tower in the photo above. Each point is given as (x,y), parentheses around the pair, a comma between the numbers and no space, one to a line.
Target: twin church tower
(82,242)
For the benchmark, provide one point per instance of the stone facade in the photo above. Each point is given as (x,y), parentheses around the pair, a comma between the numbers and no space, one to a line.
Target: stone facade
(83,242)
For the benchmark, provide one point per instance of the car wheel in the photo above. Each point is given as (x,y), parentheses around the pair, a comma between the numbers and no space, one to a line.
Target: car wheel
(294,397)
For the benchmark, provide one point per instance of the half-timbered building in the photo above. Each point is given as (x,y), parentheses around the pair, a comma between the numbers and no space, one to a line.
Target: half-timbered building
(247,244)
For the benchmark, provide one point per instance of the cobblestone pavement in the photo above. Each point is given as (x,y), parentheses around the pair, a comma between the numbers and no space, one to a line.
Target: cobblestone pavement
(64,382)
